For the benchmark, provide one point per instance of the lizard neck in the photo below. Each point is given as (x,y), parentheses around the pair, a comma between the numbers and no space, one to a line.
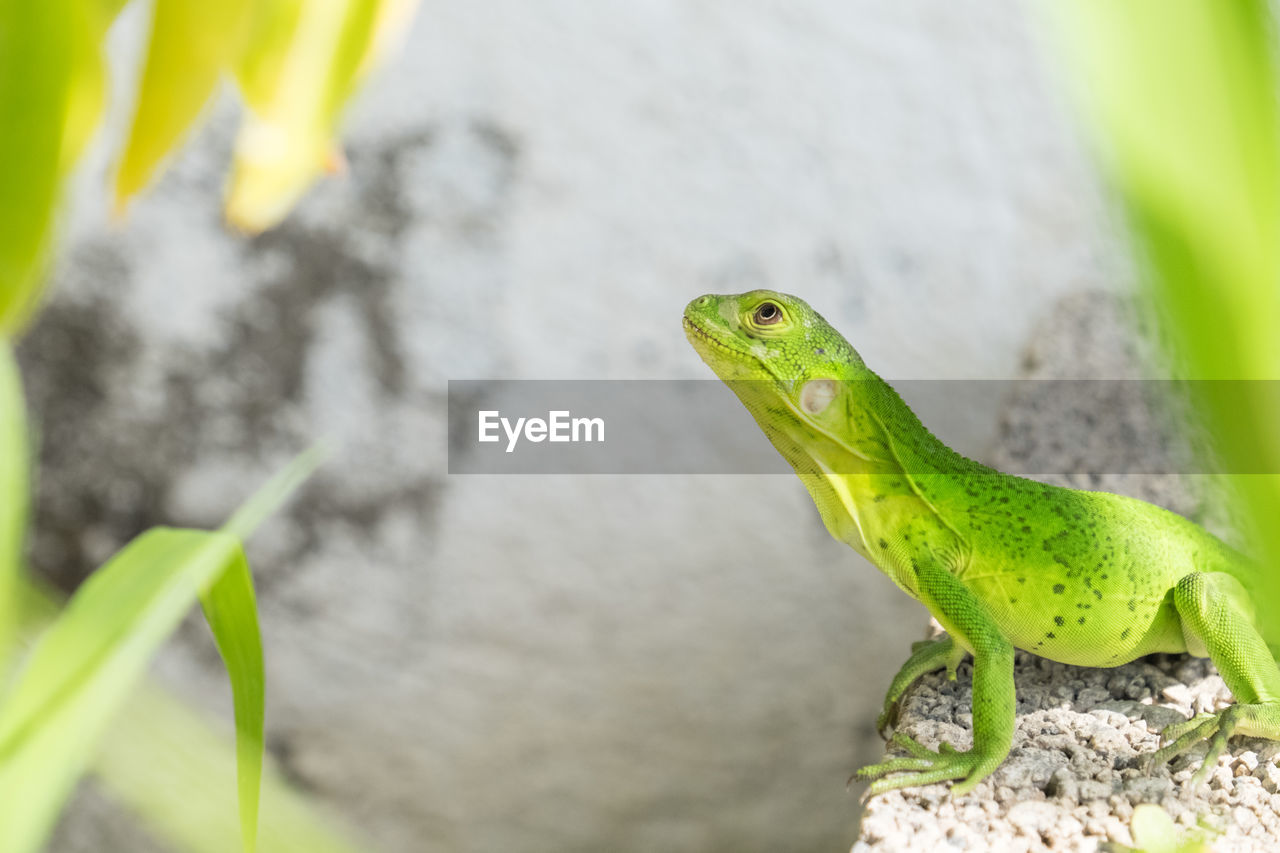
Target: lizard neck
(874,471)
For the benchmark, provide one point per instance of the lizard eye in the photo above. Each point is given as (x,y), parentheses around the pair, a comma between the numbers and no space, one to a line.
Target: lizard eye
(767,314)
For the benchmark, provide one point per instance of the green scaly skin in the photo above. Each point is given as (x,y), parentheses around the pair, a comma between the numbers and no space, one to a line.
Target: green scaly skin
(1002,562)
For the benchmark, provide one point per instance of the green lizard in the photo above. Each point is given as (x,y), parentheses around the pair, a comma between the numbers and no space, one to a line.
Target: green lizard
(1085,578)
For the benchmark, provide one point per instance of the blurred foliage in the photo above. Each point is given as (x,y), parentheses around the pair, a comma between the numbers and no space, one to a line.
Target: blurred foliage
(35,77)
(92,656)
(297,63)
(190,45)
(1155,832)
(168,764)
(14,492)
(1182,102)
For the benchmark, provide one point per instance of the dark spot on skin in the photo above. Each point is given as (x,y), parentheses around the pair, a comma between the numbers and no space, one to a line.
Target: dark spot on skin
(1124,634)
(1004,500)
(1059,621)
(1046,545)
(1059,589)
(1133,605)
(1051,636)
(1022,580)
(1026,529)
(819,351)
(1013,601)
(878,498)
(1080,621)
(1097,594)
(883,544)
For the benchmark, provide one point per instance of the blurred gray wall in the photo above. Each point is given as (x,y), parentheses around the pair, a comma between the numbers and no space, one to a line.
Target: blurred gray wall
(535,191)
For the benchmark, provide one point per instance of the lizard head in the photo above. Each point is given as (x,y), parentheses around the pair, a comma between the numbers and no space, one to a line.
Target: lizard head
(769,336)
(807,388)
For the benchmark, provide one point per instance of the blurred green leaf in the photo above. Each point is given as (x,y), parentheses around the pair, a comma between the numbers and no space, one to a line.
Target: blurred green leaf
(1182,98)
(246,519)
(36,57)
(232,614)
(1153,830)
(13,500)
(85,665)
(299,67)
(189,47)
(165,761)
(1184,101)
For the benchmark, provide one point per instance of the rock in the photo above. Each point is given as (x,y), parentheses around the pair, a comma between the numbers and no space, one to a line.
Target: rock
(1158,717)
(1270,777)
(1033,818)
(1246,763)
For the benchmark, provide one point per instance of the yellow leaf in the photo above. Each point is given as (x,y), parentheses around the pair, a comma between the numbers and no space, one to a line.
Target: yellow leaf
(191,43)
(87,94)
(389,28)
(302,63)
(259,65)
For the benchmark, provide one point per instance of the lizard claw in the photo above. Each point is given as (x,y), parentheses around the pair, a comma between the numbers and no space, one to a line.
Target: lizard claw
(888,718)
(1214,728)
(924,766)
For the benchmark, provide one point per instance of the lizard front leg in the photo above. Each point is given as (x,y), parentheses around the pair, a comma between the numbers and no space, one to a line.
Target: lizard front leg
(1215,615)
(970,628)
(926,656)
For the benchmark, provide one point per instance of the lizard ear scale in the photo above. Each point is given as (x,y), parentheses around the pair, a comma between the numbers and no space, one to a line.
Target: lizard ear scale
(816,395)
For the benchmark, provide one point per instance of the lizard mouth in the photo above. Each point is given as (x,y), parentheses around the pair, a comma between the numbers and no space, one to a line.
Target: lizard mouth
(696,335)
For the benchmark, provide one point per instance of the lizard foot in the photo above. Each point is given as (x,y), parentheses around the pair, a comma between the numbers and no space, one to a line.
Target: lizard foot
(1262,720)
(923,766)
(887,719)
